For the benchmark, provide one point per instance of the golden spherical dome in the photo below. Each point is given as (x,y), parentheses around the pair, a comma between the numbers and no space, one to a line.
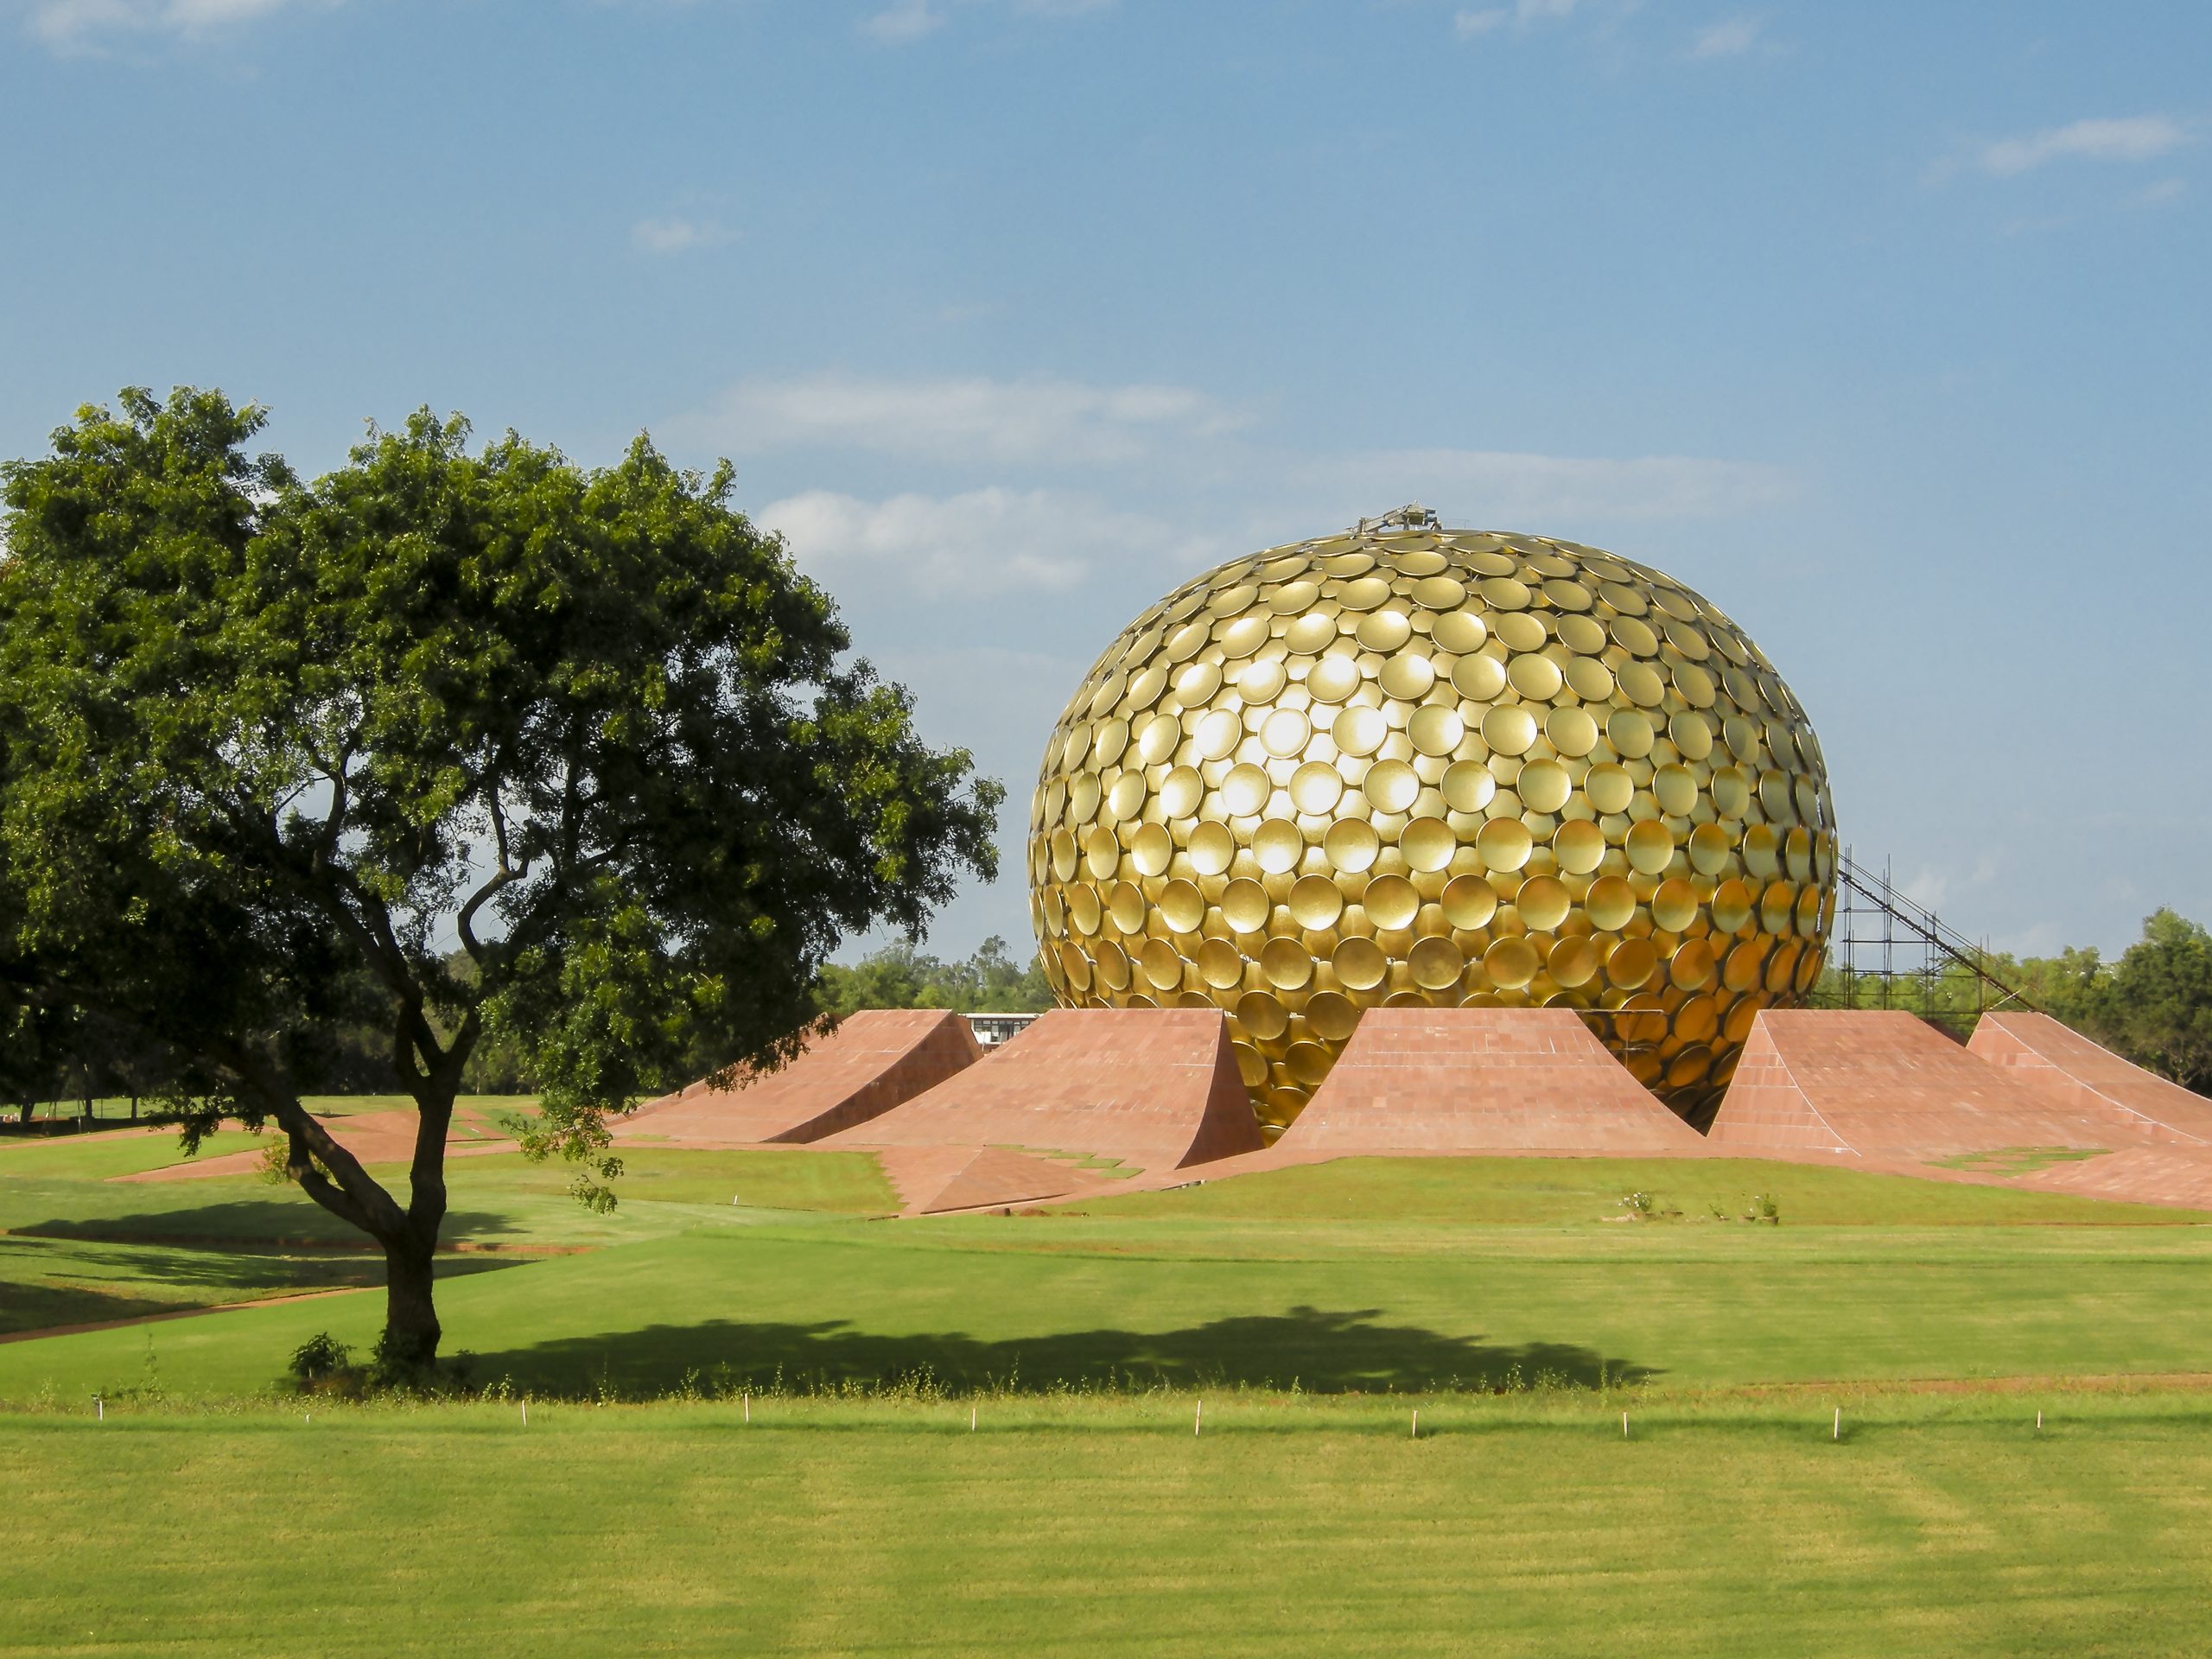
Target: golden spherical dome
(1407,764)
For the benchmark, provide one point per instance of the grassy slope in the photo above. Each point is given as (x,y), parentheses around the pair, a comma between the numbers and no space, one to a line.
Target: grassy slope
(1283,1530)
(1904,1279)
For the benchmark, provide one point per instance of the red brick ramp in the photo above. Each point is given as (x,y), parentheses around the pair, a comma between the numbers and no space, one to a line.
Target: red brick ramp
(1149,1088)
(1483,1080)
(2172,1174)
(1883,1085)
(875,1060)
(2092,1080)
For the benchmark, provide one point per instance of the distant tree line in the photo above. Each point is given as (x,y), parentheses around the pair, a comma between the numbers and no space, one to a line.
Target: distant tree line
(900,975)
(2152,1005)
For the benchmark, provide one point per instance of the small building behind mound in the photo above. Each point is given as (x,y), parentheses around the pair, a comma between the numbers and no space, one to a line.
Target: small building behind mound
(2092,1080)
(1483,1080)
(876,1059)
(1150,1088)
(1885,1084)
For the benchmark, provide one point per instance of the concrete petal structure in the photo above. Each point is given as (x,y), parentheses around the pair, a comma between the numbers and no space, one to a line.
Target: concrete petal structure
(1484,1080)
(1152,1089)
(1885,1085)
(2094,1079)
(875,1060)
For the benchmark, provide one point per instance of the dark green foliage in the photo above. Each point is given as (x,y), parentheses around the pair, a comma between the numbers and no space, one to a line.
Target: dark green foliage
(900,976)
(270,749)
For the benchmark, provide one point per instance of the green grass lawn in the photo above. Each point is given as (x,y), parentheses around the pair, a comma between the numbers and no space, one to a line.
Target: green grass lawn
(1935,1527)
(1516,1303)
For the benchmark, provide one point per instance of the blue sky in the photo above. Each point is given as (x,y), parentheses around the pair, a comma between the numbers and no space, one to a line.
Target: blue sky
(1883,325)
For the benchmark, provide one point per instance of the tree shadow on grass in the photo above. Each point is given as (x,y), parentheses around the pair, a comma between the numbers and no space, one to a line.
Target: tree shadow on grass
(249,1224)
(1320,1350)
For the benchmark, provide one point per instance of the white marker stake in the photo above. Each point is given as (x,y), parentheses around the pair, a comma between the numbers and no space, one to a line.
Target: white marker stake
(971,1417)
(1416,1425)
(2038,1422)
(748,1405)
(1624,1424)
(100,1406)
(1198,1421)
(1839,1422)
(526,1413)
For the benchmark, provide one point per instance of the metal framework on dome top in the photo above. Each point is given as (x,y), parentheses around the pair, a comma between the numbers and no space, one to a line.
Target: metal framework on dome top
(1886,950)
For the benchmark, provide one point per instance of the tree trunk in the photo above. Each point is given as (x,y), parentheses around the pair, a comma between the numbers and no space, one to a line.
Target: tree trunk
(411,1317)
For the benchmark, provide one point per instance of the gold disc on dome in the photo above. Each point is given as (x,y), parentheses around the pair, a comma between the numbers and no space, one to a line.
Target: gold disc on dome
(1732,906)
(1571,731)
(1286,964)
(1520,631)
(1467,786)
(1278,845)
(1333,678)
(1439,593)
(1535,678)
(1180,791)
(1674,905)
(1460,632)
(1163,964)
(1315,787)
(1650,847)
(1468,902)
(1504,593)
(1629,732)
(1609,904)
(1391,785)
(1709,848)
(1308,1062)
(1195,684)
(1384,630)
(1610,788)
(1479,678)
(1283,734)
(1631,963)
(1181,906)
(1508,728)
(1331,1016)
(1359,730)
(1503,844)
(1315,902)
(1641,683)
(1350,845)
(1359,964)
(1245,905)
(1294,597)
(1675,790)
(1262,681)
(1579,846)
(1436,728)
(1309,633)
(1582,635)
(1573,962)
(1363,593)
(1220,964)
(1390,901)
(1261,1016)
(1406,677)
(1510,964)
(1543,902)
(1543,786)
(1428,844)
(1435,962)
(1244,789)
(1217,734)
(1213,849)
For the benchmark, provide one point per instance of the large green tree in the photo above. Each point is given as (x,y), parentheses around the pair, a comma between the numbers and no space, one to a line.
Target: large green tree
(274,754)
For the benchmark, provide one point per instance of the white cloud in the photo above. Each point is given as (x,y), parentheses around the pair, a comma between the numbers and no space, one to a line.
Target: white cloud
(1468,24)
(959,547)
(75,22)
(901,21)
(2134,138)
(1731,39)
(1030,420)
(1522,14)
(671,236)
(1501,488)
(2158,194)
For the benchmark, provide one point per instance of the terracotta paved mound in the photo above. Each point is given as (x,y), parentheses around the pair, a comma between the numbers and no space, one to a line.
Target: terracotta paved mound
(2094,1079)
(875,1060)
(2174,1173)
(1149,1088)
(372,1137)
(1886,1085)
(1483,1080)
